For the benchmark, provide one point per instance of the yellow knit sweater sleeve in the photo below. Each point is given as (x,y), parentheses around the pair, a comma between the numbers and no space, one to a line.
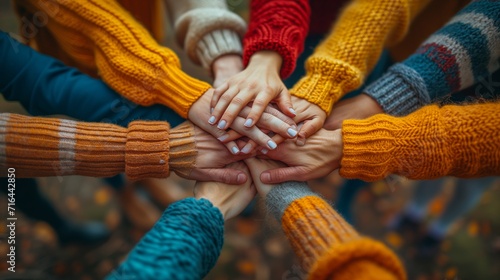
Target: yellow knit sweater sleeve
(461,141)
(101,35)
(341,62)
(329,248)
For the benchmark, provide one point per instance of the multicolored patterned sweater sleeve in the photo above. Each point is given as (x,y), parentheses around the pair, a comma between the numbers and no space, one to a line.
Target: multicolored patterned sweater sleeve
(185,243)
(101,35)
(206,29)
(280,26)
(326,245)
(457,56)
(38,147)
(461,141)
(341,62)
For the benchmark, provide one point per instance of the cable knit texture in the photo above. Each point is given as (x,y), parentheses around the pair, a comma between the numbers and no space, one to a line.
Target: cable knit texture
(327,246)
(461,141)
(280,26)
(206,29)
(57,147)
(460,54)
(100,36)
(341,62)
(184,244)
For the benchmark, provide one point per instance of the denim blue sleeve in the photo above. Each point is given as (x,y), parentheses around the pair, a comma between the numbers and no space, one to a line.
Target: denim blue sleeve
(185,243)
(45,86)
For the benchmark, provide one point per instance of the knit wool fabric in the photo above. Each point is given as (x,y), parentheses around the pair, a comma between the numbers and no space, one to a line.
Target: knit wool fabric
(38,147)
(185,243)
(461,141)
(341,62)
(100,36)
(279,26)
(457,56)
(326,245)
(206,29)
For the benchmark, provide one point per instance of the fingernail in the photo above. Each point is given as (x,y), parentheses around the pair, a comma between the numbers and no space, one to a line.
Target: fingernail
(247,148)
(241,178)
(248,123)
(265,177)
(264,151)
(211,110)
(292,111)
(292,132)
(271,144)
(223,137)
(301,142)
(222,124)
(235,150)
(211,120)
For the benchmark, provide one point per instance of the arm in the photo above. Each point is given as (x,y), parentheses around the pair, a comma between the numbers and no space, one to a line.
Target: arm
(341,62)
(101,35)
(455,57)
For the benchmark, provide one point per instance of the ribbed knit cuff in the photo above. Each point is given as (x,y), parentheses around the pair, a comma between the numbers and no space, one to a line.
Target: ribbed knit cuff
(326,82)
(278,199)
(182,147)
(217,43)
(147,150)
(400,91)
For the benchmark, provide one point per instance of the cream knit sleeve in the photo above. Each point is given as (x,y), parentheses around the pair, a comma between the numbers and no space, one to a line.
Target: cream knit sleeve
(206,29)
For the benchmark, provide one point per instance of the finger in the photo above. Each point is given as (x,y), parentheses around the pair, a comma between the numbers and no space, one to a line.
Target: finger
(224,175)
(309,128)
(277,113)
(217,94)
(274,124)
(221,106)
(249,147)
(229,135)
(259,105)
(239,102)
(279,175)
(284,102)
(233,147)
(254,133)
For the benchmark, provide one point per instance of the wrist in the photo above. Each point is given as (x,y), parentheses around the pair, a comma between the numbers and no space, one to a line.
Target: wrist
(266,59)
(215,203)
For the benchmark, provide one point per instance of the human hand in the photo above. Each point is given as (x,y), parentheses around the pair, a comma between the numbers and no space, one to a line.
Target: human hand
(272,120)
(358,107)
(205,161)
(230,199)
(226,66)
(256,167)
(319,157)
(312,117)
(260,82)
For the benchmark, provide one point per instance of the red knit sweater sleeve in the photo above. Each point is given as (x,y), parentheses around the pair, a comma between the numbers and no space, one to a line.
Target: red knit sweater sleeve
(277,25)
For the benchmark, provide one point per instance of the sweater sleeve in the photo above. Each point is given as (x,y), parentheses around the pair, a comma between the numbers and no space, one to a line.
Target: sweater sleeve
(280,26)
(38,147)
(341,62)
(185,243)
(460,54)
(461,141)
(206,29)
(45,86)
(101,35)
(326,245)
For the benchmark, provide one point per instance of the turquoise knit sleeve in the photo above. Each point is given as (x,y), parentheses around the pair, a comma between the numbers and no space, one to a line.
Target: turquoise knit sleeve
(184,244)
(466,51)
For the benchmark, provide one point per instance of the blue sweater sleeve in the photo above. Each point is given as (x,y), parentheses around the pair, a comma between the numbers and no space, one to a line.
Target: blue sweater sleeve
(184,244)
(462,53)
(45,86)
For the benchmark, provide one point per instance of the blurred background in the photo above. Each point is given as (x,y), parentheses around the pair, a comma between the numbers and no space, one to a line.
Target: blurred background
(255,247)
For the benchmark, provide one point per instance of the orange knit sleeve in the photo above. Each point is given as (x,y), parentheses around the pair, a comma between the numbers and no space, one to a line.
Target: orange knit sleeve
(341,62)
(461,141)
(100,36)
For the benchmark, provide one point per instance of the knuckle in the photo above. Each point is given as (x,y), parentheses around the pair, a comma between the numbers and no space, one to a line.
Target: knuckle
(238,101)
(226,98)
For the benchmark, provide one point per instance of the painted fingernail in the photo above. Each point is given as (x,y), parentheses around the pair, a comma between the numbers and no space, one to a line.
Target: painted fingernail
(264,151)
(223,137)
(211,110)
(271,144)
(235,150)
(292,111)
(292,132)
(241,178)
(247,148)
(265,177)
(222,124)
(248,123)
(211,120)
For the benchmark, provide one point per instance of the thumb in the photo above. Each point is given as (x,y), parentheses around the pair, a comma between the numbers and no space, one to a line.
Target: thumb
(279,175)
(284,102)
(224,175)
(309,128)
